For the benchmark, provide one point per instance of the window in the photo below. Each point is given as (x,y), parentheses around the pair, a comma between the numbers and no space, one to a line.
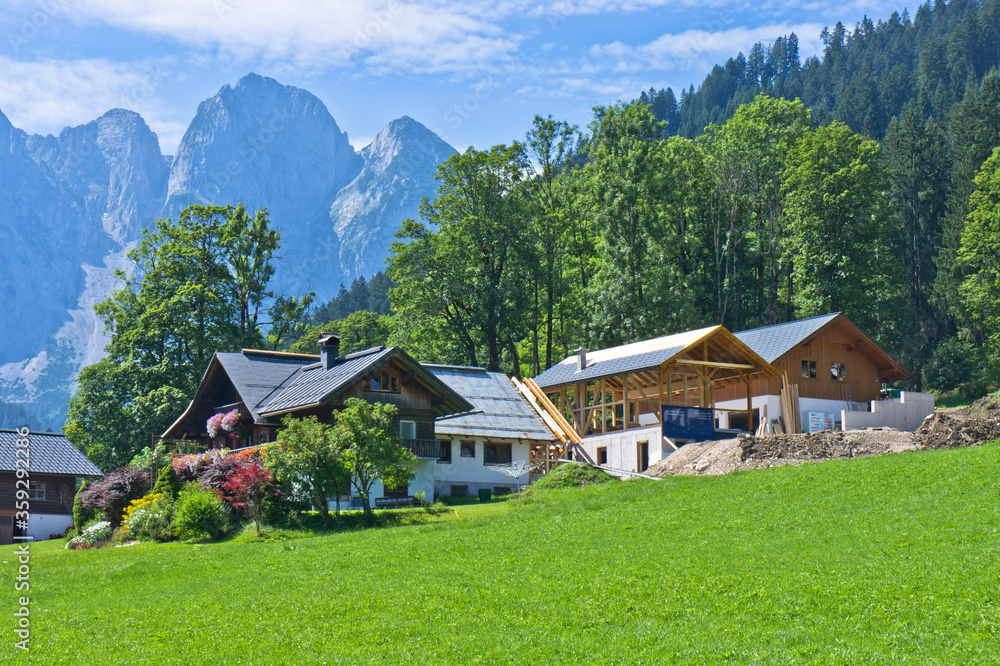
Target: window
(602,455)
(397,491)
(809,369)
(36,489)
(383,380)
(468,449)
(837,372)
(459,491)
(497,454)
(500,491)
(407,429)
(444,451)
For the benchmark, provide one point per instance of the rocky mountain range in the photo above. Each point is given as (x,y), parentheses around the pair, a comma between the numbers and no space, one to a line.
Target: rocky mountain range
(73,205)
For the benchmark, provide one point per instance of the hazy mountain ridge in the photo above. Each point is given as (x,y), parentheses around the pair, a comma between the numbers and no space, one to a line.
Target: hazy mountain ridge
(72,205)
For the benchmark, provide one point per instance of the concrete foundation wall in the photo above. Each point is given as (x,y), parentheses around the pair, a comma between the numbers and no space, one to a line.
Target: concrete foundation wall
(623,446)
(905,414)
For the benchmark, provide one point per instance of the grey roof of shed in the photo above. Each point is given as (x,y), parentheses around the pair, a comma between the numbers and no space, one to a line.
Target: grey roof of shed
(773,342)
(48,453)
(505,413)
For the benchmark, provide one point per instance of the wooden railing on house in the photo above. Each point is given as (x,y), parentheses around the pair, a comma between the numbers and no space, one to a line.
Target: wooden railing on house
(422,448)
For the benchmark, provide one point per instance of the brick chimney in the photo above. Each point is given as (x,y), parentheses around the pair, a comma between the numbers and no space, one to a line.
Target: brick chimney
(329,349)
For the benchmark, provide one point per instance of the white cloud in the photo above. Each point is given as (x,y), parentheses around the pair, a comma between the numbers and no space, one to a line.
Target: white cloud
(45,96)
(431,36)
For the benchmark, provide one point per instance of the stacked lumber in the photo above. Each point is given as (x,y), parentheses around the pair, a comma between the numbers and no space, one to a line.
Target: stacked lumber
(790,416)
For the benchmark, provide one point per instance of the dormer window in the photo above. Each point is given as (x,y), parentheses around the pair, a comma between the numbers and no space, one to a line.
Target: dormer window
(383,380)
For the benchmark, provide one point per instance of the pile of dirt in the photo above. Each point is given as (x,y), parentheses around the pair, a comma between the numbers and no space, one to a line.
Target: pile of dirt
(974,426)
(751,452)
(946,430)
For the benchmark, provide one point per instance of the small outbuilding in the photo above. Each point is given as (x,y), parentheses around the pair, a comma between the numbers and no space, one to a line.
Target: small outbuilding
(53,467)
(502,428)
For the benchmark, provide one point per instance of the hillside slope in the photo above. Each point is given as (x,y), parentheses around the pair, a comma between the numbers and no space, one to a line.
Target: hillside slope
(875,560)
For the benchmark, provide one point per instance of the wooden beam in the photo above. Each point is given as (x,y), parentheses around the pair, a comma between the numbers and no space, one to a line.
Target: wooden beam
(659,381)
(716,364)
(625,403)
(604,420)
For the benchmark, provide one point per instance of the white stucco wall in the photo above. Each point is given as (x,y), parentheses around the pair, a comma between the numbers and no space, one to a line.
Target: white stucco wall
(423,481)
(41,525)
(472,472)
(906,414)
(623,446)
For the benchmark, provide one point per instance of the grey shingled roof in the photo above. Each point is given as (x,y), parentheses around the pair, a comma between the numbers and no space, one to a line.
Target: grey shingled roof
(256,376)
(48,453)
(773,342)
(505,413)
(633,357)
(311,384)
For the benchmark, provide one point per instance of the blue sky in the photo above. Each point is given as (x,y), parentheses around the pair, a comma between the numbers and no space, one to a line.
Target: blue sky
(475,72)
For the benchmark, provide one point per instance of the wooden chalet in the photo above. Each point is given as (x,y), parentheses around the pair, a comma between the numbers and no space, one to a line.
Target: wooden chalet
(265,386)
(828,357)
(54,467)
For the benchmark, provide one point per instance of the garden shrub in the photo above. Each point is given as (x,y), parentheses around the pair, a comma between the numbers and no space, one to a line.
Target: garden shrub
(114,492)
(167,482)
(201,514)
(278,504)
(81,514)
(214,474)
(191,466)
(149,519)
(95,534)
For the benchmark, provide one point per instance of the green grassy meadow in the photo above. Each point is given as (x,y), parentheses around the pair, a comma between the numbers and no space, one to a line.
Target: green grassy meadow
(875,560)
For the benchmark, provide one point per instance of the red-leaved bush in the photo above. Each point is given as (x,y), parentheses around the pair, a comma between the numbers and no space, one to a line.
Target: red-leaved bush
(244,488)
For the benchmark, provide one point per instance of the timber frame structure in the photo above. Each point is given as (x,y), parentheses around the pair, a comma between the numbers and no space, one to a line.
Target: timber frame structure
(626,387)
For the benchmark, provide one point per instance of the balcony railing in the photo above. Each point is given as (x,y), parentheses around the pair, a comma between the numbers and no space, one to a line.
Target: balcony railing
(423,448)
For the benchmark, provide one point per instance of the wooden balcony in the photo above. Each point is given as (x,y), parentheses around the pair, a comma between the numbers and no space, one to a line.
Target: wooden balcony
(422,448)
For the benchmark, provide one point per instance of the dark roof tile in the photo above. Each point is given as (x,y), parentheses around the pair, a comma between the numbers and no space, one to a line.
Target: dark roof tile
(48,453)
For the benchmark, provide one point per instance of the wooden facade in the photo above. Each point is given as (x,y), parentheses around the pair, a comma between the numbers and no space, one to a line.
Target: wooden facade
(58,501)
(837,347)
(397,381)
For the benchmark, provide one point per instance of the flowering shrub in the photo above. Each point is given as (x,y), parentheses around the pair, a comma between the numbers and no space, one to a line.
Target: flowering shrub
(252,453)
(214,425)
(114,492)
(149,518)
(214,474)
(93,535)
(191,466)
(231,420)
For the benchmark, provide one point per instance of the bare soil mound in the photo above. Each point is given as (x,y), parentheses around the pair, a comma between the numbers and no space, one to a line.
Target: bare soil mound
(978,424)
(943,430)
